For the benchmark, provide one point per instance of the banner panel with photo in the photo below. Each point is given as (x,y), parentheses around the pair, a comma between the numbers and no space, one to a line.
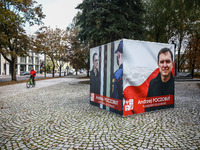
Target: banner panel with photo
(148,82)
(106,75)
(131,77)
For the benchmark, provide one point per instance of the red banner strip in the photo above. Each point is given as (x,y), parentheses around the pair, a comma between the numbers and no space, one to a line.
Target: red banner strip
(138,105)
(106,101)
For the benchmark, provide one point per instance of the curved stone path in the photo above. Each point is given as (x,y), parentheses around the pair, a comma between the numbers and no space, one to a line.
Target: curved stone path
(59,116)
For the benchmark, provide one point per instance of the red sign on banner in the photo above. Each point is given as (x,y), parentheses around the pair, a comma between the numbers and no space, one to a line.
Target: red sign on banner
(136,106)
(106,101)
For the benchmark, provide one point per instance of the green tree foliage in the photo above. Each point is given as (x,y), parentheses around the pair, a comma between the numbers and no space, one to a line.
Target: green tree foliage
(53,43)
(13,39)
(193,27)
(156,20)
(49,65)
(185,23)
(192,54)
(61,43)
(78,53)
(172,20)
(103,21)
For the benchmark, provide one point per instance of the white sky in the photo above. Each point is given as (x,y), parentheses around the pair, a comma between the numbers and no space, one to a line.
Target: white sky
(59,13)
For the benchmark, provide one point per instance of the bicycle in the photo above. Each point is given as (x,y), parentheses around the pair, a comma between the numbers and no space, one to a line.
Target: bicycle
(30,83)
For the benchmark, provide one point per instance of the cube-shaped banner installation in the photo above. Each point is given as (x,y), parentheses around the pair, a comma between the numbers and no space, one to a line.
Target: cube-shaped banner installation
(131,77)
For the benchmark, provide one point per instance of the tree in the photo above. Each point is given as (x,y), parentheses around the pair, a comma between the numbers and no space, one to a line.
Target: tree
(193,25)
(60,41)
(193,53)
(157,17)
(172,20)
(51,43)
(104,21)
(13,39)
(185,23)
(78,52)
(62,47)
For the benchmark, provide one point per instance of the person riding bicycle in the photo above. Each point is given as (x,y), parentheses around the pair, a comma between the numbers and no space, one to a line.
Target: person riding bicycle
(33,73)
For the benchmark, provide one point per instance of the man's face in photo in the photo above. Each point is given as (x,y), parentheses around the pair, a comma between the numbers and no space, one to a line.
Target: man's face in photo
(165,64)
(96,61)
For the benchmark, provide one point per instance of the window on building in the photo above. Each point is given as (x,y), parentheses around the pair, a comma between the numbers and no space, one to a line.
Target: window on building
(36,68)
(30,66)
(22,59)
(30,60)
(30,53)
(36,60)
(22,68)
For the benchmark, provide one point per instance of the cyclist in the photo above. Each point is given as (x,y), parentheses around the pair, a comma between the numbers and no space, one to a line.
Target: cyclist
(33,73)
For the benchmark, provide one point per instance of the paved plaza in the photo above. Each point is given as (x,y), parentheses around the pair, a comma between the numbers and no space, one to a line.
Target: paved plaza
(56,114)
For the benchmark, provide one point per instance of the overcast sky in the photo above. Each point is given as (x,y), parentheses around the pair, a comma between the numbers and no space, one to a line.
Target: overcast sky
(59,13)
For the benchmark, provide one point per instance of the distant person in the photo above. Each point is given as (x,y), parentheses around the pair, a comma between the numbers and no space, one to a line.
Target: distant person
(33,74)
(117,80)
(163,84)
(94,75)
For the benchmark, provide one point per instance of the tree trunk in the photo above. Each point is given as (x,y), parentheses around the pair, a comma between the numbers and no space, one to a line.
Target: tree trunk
(194,56)
(88,67)
(179,52)
(192,71)
(60,71)
(13,69)
(53,66)
(45,69)
(53,69)
(88,73)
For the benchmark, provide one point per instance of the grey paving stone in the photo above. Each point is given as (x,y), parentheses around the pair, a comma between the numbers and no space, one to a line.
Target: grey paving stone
(63,119)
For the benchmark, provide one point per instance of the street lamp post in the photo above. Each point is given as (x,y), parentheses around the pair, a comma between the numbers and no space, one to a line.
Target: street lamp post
(174,57)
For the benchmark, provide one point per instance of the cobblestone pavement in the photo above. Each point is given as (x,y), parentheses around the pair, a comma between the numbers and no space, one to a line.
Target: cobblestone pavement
(60,117)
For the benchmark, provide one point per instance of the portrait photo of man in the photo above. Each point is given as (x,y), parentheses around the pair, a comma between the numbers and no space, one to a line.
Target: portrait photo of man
(94,75)
(163,84)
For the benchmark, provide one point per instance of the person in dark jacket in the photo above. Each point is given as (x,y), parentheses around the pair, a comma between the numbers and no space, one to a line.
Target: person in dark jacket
(158,88)
(163,84)
(94,76)
(117,80)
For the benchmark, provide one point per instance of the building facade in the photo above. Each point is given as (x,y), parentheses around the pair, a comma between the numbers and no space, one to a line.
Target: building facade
(22,64)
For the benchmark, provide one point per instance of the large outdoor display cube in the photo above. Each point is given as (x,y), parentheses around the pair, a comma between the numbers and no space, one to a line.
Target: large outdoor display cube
(131,77)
